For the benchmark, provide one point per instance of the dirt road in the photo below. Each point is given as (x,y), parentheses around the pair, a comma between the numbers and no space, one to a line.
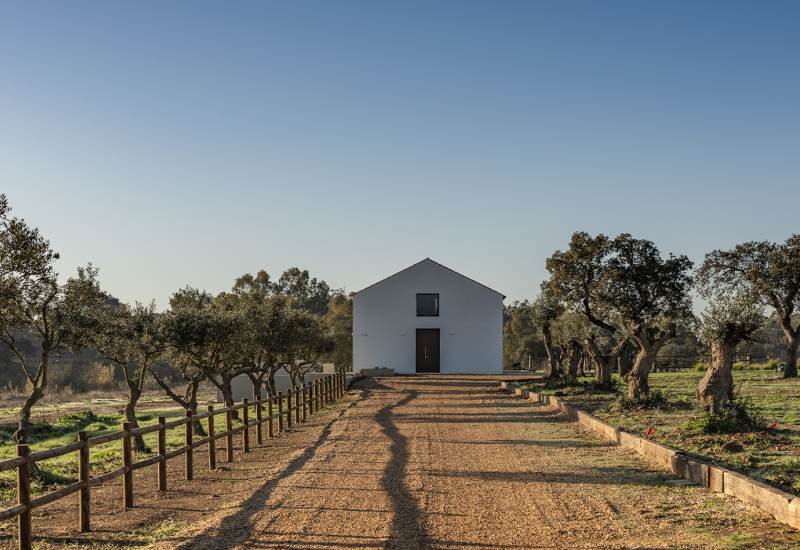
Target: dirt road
(449,462)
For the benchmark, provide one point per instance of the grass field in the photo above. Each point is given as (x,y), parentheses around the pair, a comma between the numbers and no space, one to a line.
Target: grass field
(770,455)
(103,458)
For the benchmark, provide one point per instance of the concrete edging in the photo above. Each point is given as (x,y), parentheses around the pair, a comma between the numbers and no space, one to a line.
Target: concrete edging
(785,507)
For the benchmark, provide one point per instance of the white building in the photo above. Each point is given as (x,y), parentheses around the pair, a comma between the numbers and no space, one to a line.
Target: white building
(428,318)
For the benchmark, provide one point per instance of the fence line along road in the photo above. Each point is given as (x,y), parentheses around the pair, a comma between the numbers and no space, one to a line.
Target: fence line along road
(301,401)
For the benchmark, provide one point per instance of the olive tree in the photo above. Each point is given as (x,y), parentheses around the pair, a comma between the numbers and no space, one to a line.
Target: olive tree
(200,334)
(728,320)
(649,295)
(307,342)
(771,272)
(339,320)
(578,278)
(55,316)
(131,338)
(522,338)
(259,349)
(567,332)
(546,310)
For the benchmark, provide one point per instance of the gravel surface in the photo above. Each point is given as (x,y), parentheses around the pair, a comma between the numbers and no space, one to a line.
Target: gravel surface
(449,462)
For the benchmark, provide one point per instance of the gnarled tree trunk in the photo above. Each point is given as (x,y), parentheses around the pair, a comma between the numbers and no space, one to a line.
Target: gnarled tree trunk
(226,389)
(134,393)
(716,387)
(575,354)
(24,422)
(790,370)
(604,363)
(638,381)
(552,360)
(187,402)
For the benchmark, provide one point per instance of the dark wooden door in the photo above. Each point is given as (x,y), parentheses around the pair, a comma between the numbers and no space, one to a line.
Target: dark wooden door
(427,350)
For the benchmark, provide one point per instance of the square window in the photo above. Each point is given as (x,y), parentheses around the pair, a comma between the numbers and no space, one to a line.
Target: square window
(427,305)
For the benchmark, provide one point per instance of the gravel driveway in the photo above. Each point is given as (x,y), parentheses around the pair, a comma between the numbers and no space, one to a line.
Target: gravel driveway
(449,462)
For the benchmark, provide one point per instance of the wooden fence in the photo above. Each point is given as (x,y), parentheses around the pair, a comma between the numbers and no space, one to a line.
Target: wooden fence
(301,402)
(675,363)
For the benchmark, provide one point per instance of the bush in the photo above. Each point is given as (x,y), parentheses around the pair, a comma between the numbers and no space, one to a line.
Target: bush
(656,399)
(738,415)
(78,419)
(772,364)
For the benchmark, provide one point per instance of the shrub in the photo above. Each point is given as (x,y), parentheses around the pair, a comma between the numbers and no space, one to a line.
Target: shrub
(656,399)
(772,364)
(78,419)
(738,415)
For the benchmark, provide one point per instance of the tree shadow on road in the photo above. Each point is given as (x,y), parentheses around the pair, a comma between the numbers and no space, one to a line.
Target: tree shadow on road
(406,524)
(237,528)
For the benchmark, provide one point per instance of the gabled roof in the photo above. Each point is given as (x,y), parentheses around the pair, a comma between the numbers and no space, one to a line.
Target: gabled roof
(435,263)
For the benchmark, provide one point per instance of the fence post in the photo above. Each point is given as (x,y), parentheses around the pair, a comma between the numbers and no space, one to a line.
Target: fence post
(270,430)
(246,428)
(229,432)
(127,474)
(259,427)
(188,441)
(212,441)
(304,390)
(316,394)
(297,405)
(83,477)
(289,409)
(24,497)
(280,412)
(162,452)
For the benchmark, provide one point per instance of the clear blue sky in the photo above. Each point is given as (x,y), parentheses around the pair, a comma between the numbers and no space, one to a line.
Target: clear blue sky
(176,143)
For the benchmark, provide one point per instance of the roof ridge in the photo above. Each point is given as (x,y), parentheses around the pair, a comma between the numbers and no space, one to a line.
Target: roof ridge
(429,259)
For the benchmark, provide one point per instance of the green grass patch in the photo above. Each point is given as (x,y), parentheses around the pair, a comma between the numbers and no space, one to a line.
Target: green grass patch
(772,456)
(63,470)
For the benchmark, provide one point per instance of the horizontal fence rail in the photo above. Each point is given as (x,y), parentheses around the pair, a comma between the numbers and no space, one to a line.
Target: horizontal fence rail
(672,363)
(300,403)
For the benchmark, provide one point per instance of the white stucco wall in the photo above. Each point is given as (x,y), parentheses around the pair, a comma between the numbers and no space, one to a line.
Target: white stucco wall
(470,322)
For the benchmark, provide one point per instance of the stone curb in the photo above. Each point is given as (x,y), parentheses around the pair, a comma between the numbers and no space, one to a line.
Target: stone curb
(785,507)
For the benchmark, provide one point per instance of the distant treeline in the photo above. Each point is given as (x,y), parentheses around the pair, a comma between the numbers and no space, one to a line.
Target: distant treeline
(523,339)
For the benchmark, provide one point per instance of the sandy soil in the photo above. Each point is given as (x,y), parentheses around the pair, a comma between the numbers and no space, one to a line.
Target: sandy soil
(449,462)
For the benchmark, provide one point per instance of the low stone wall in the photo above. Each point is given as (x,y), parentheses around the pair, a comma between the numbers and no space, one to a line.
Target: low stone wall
(785,507)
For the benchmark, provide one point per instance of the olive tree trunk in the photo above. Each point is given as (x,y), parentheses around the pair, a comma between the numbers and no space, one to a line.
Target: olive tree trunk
(188,401)
(716,387)
(575,355)
(638,377)
(24,422)
(604,362)
(793,340)
(226,389)
(134,393)
(551,370)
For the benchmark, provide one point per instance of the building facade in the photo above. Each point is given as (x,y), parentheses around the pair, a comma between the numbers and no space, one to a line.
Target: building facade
(428,318)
